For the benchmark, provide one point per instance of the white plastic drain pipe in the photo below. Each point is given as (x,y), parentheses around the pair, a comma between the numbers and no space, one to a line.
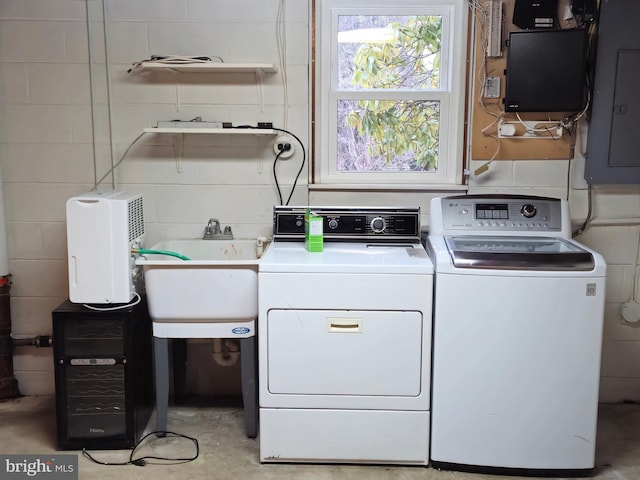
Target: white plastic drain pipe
(225,354)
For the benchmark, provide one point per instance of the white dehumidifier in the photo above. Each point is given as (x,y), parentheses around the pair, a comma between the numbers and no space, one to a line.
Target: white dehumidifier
(102,228)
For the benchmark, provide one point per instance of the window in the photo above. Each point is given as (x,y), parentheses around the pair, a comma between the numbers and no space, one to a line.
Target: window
(390,91)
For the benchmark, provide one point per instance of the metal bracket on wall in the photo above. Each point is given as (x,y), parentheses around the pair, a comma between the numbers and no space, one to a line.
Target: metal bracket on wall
(178,146)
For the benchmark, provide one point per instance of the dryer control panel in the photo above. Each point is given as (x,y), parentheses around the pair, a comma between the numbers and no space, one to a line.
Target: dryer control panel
(499,214)
(391,224)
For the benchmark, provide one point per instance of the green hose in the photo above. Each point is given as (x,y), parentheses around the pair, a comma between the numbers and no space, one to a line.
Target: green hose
(143,251)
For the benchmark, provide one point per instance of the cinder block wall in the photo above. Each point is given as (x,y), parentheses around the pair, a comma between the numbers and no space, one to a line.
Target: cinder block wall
(48,126)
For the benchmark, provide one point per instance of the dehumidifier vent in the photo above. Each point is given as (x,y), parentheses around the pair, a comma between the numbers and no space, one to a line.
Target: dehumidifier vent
(136,219)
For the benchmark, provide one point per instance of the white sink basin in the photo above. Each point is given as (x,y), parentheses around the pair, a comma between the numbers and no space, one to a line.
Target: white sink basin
(218,284)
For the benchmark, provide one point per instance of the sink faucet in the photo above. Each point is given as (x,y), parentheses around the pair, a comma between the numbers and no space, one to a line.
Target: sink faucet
(212,231)
(212,228)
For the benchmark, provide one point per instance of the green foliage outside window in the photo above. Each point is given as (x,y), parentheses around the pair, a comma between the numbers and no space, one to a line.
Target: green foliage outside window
(408,60)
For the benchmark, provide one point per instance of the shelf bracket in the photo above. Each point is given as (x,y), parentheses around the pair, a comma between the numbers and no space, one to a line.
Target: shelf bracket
(259,79)
(178,75)
(178,146)
(178,103)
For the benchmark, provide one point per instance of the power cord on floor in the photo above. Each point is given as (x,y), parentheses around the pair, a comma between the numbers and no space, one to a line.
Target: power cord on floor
(142,461)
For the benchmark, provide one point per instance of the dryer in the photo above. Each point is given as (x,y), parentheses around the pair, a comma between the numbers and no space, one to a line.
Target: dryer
(518,317)
(345,339)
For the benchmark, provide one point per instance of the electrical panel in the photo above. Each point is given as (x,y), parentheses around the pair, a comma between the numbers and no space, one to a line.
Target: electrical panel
(613,143)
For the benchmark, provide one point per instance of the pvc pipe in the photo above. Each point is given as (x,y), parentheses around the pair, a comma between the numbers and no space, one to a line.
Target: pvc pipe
(225,355)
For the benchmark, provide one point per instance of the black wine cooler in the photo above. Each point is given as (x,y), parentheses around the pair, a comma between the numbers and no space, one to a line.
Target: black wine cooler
(103,376)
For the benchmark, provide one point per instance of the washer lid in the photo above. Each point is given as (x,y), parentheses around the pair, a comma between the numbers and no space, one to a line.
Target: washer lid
(517,253)
(342,257)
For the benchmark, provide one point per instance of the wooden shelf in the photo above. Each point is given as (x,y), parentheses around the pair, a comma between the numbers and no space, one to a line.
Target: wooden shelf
(225,131)
(210,67)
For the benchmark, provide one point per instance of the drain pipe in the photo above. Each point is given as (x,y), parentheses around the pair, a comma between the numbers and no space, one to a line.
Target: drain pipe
(8,384)
(225,353)
(35,341)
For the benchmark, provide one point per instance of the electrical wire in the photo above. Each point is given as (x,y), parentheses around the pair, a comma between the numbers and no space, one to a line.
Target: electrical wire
(576,147)
(533,129)
(275,175)
(144,460)
(587,219)
(281,40)
(302,163)
(113,167)
(119,307)
(175,60)
(480,12)
(304,156)
(568,178)
(570,120)
(92,91)
(107,56)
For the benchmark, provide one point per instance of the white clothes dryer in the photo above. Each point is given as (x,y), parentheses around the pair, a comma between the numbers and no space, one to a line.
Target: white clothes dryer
(344,339)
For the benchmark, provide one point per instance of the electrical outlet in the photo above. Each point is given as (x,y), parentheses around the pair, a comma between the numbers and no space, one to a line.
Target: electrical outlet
(283,146)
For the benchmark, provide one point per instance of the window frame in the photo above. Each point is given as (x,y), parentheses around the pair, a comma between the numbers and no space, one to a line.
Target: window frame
(451,93)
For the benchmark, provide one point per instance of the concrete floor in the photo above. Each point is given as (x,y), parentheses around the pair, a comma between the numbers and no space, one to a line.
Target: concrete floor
(27,426)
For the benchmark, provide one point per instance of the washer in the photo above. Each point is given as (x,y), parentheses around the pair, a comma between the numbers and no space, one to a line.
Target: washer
(345,339)
(518,318)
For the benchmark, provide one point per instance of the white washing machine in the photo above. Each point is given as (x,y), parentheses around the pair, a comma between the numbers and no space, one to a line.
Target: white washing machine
(344,339)
(518,316)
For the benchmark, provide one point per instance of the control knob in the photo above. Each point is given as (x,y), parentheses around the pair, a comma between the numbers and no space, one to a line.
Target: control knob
(332,223)
(528,210)
(378,225)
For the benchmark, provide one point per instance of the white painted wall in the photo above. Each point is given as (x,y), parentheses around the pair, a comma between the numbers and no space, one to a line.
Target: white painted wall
(46,131)
(46,152)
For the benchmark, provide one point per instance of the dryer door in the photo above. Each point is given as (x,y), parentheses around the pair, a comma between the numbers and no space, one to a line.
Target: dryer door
(345,352)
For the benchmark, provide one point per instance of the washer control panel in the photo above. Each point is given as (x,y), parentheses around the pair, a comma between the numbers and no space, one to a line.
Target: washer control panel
(501,214)
(350,223)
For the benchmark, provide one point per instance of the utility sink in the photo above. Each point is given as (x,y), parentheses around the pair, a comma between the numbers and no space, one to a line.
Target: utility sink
(219,282)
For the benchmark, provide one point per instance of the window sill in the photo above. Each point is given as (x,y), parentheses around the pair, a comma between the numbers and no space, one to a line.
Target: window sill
(327,187)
